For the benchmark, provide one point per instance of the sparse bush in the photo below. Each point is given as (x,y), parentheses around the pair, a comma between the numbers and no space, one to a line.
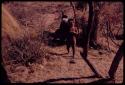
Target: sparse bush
(25,51)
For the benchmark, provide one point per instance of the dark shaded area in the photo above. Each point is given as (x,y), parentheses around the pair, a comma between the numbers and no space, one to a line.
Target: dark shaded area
(119,37)
(47,39)
(100,81)
(67,79)
(79,40)
(3,73)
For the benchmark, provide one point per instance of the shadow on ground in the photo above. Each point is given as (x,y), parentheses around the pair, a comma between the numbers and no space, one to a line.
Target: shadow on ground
(101,81)
(47,38)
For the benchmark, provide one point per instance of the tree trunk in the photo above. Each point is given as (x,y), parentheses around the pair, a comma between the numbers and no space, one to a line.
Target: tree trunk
(116,61)
(89,28)
(93,34)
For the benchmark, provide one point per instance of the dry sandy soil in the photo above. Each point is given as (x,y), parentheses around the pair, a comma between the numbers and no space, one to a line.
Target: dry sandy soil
(37,18)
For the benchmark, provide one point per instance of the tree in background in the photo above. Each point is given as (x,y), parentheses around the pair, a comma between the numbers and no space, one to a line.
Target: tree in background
(88,30)
(97,7)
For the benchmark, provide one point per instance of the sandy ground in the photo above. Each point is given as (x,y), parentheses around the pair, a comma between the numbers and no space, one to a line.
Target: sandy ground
(57,66)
